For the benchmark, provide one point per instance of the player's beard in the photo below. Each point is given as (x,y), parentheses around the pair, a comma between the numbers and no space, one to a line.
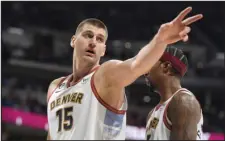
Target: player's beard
(151,86)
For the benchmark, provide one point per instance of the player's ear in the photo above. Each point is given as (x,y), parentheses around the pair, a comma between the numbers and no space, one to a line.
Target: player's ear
(73,38)
(103,50)
(167,67)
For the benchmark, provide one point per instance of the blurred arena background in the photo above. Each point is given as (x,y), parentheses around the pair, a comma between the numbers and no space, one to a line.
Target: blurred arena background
(35,50)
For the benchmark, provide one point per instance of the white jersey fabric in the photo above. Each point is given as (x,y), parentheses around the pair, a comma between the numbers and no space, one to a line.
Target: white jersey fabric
(158,126)
(78,113)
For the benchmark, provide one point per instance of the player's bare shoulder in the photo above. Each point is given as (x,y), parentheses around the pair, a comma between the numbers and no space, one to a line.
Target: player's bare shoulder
(184,112)
(184,104)
(185,99)
(108,66)
(107,83)
(105,72)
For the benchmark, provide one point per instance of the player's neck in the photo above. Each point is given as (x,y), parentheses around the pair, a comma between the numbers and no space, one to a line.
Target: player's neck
(167,89)
(82,69)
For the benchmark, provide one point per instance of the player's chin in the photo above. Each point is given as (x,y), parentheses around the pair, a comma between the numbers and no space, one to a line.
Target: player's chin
(90,58)
(151,80)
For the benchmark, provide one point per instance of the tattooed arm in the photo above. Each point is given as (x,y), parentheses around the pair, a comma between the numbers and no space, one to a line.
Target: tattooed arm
(184,112)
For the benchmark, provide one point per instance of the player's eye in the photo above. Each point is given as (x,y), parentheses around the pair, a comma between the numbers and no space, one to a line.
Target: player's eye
(88,35)
(99,39)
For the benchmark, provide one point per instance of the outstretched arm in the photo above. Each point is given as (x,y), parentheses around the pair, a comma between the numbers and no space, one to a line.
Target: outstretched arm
(123,73)
(184,112)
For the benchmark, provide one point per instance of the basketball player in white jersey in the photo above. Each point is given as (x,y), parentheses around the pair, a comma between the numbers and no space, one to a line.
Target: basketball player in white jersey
(90,104)
(178,115)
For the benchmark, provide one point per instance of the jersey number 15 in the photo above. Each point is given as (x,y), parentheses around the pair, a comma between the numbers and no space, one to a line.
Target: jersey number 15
(65,118)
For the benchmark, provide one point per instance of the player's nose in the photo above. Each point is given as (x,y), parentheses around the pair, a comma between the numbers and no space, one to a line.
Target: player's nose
(92,43)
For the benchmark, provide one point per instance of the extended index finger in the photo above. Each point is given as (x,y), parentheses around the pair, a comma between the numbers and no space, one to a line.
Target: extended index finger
(183,13)
(192,19)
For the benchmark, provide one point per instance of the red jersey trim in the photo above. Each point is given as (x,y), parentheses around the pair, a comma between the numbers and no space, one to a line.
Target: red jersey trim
(71,77)
(165,121)
(107,106)
(49,96)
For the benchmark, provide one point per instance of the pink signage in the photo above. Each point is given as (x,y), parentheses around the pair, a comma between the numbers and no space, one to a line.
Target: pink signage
(33,120)
(24,118)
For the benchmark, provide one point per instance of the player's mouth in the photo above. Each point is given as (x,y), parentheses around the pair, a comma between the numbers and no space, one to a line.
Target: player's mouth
(90,52)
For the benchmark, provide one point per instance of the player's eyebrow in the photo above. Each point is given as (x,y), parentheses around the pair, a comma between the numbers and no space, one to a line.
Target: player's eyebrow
(90,31)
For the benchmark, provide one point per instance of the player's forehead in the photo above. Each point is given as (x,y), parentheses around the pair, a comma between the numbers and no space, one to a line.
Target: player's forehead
(94,29)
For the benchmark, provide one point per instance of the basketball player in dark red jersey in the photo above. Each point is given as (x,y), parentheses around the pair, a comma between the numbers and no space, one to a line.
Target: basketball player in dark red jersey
(178,115)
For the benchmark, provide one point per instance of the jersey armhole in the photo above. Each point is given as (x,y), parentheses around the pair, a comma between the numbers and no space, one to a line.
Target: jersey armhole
(150,114)
(53,90)
(166,120)
(149,117)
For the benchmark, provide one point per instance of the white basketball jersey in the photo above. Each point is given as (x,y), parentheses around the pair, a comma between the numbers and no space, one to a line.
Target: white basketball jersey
(158,126)
(78,113)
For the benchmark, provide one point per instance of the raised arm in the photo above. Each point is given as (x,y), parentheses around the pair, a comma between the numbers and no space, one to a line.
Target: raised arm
(123,73)
(184,112)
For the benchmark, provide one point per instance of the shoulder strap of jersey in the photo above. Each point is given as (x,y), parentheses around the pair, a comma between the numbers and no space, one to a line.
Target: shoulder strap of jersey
(166,120)
(54,87)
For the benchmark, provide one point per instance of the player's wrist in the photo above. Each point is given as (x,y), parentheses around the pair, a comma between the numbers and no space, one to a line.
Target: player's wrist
(159,40)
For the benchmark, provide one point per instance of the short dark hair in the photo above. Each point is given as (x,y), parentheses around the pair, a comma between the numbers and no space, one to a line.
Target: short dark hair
(179,54)
(92,21)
